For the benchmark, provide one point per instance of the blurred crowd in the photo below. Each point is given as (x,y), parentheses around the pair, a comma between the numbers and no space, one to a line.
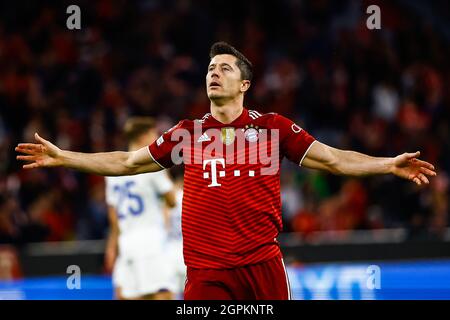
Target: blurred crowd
(380,92)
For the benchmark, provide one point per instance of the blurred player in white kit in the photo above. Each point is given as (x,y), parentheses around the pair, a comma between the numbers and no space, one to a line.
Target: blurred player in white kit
(137,249)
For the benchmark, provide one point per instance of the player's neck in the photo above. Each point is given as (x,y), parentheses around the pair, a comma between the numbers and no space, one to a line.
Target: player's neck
(228,112)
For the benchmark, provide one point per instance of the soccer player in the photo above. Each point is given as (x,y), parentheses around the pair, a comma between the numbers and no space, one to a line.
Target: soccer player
(137,248)
(231,208)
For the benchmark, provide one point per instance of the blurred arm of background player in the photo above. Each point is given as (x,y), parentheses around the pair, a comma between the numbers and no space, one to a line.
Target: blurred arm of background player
(112,244)
(117,163)
(170,203)
(351,163)
(170,199)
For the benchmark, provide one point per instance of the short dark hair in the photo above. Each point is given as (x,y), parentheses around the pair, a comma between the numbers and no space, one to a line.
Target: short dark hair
(242,62)
(136,126)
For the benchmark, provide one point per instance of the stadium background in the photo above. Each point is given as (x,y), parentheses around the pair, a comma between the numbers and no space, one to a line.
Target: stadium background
(381,92)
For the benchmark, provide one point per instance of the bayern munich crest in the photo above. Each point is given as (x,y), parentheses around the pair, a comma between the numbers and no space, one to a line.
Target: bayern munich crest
(251,133)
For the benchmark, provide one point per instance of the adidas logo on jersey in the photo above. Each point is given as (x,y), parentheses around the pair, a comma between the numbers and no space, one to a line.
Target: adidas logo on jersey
(204,137)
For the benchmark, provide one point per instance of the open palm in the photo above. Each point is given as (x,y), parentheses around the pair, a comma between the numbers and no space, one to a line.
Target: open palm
(407,166)
(42,154)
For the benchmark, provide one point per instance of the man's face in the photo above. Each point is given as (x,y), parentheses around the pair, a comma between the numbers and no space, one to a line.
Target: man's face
(223,79)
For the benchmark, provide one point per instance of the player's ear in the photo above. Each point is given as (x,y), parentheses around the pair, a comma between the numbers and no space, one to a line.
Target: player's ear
(245,85)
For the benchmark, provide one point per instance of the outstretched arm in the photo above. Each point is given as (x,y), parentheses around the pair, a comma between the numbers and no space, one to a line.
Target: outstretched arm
(117,163)
(351,163)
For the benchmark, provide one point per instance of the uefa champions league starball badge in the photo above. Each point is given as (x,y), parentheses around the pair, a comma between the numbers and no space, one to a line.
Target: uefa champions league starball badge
(227,135)
(251,133)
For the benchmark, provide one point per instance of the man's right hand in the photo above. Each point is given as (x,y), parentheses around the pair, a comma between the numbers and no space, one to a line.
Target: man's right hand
(42,154)
(115,163)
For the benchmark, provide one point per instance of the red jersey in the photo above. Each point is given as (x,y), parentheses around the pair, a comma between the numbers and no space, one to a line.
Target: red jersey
(231,211)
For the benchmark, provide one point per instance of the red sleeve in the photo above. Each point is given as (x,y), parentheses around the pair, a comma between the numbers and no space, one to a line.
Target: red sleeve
(161,149)
(294,140)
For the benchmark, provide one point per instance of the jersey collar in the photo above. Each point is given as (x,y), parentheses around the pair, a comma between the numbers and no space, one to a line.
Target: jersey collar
(243,117)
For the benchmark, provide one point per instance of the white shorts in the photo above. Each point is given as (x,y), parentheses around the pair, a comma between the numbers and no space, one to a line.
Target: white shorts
(138,276)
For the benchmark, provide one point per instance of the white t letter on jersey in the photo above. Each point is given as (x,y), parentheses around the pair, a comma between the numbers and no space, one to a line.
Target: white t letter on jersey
(214,170)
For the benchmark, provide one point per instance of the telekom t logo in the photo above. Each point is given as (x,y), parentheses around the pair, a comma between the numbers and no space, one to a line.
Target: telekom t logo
(213,163)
